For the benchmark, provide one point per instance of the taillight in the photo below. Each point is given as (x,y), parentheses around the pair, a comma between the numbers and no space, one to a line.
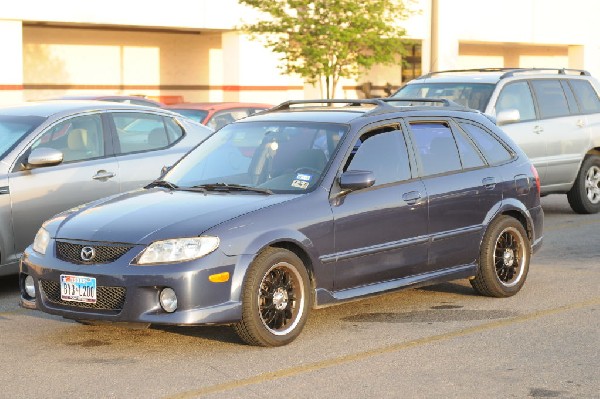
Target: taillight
(537,179)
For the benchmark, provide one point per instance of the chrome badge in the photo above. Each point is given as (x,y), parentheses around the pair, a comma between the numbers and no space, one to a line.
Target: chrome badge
(88,254)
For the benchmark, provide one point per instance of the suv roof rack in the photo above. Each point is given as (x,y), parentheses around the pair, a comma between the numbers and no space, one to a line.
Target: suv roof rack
(379,103)
(560,71)
(508,72)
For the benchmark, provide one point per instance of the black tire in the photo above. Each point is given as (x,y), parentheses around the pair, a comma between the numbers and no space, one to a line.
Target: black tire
(275,299)
(503,260)
(584,196)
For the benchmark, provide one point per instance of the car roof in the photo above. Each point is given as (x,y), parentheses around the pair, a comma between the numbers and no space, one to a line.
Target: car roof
(52,107)
(217,105)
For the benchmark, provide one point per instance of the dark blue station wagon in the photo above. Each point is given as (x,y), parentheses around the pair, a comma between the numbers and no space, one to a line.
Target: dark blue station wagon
(308,204)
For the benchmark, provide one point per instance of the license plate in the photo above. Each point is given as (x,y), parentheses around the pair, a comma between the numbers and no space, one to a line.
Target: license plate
(77,288)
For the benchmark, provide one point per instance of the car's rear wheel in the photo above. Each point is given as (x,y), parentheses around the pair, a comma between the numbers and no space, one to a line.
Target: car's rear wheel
(584,196)
(503,259)
(275,299)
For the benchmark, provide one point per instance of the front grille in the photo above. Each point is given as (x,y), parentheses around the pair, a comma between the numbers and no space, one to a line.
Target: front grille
(107,298)
(71,252)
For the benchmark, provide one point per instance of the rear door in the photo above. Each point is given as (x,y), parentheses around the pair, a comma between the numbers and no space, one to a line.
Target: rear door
(461,188)
(144,143)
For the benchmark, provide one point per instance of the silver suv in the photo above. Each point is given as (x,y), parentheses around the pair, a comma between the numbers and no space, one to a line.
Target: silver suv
(553,114)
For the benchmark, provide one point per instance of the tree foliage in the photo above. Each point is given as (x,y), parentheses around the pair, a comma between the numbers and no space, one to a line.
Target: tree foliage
(325,40)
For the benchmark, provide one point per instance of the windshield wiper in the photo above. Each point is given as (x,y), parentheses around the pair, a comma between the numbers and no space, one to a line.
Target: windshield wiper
(232,187)
(162,183)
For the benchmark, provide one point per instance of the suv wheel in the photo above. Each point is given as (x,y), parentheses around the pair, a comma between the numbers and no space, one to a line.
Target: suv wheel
(503,259)
(584,196)
(275,299)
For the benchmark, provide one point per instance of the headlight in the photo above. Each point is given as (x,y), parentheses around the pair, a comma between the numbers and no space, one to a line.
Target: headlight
(41,240)
(177,250)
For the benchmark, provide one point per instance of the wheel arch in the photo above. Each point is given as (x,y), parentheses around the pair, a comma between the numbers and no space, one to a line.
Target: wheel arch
(300,252)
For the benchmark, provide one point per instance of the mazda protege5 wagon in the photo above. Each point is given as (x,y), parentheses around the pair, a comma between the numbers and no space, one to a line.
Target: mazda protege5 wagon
(309,204)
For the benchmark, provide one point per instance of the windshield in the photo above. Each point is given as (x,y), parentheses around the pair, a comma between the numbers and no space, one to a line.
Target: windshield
(281,157)
(472,95)
(194,114)
(14,128)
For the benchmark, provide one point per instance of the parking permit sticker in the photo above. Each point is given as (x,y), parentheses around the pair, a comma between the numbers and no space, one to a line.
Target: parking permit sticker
(300,184)
(303,177)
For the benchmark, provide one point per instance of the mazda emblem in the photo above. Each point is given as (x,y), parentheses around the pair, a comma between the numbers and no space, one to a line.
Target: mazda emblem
(88,254)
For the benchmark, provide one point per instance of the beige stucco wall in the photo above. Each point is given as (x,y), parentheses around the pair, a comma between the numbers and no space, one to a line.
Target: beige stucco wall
(190,48)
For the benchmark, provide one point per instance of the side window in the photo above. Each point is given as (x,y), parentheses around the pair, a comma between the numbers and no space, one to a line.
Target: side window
(174,130)
(516,96)
(586,96)
(78,138)
(550,97)
(493,150)
(436,148)
(469,156)
(384,153)
(140,132)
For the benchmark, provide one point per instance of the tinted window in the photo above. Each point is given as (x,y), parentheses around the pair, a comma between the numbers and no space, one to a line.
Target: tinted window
(493,150)
(472,95)
(77,138)
(140,132)
(469,155)
(436,148)
(194,114)
(516,96)
(550,97)
(586,96)
(384,154)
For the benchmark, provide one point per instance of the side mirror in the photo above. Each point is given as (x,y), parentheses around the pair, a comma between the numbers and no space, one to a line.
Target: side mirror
(356,179)
(508,116)
(43,156)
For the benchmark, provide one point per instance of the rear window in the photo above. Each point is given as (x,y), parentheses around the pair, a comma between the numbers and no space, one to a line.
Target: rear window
(472,95)
(586,96)
(493,150)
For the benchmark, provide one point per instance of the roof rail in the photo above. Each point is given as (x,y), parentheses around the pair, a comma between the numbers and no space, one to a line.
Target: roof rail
(442,101)
(427,75)
(560,71)
(353,102)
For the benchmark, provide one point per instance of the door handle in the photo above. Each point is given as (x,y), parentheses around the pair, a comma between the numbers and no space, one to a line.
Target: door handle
(103,175)
(489,183)
(412,197)
(538,129)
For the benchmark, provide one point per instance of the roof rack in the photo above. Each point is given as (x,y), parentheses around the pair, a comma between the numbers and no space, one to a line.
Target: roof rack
(560,71)
(287,105)
(508,72)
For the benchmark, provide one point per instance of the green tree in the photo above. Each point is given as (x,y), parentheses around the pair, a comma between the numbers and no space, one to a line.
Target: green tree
(325,40)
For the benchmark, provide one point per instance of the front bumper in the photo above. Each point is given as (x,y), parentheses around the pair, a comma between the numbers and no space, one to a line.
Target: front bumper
(130,294)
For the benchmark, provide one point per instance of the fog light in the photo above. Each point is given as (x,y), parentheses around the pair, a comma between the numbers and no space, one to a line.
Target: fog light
(168,300)
(30,286)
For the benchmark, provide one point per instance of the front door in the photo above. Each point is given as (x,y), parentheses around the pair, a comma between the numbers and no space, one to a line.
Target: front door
(380,232)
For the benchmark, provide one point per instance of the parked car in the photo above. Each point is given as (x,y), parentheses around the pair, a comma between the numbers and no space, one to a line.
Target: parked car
(302,206)
(217,115)
(56,155)
(553,114)
(136,100)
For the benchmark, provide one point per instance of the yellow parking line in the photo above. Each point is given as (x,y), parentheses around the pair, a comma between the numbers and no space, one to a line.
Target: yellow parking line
(293,371)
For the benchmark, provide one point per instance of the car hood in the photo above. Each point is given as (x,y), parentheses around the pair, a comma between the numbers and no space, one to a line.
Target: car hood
(143,216)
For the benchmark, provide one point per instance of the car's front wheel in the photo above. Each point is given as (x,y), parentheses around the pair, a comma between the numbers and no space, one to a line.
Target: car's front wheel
(584,196)
(503,259)
(275,299)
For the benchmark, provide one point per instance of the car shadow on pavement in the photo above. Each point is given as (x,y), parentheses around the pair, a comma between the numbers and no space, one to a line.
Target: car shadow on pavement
(214,333)
(9,285)
(460,287)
